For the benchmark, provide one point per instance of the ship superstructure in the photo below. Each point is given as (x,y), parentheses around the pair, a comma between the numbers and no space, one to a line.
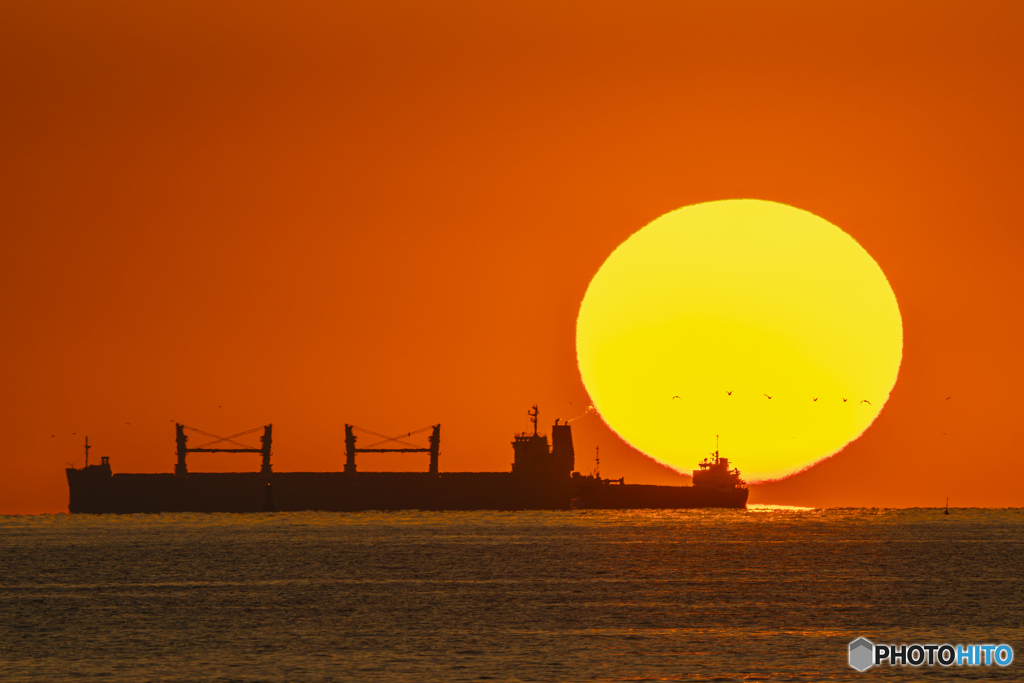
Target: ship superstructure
(531,453)
(714,473)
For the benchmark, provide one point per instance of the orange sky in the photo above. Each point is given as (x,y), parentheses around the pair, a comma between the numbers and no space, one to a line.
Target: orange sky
(387,213)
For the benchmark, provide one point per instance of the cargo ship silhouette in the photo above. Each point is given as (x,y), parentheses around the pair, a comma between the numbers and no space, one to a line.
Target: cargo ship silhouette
(542,477)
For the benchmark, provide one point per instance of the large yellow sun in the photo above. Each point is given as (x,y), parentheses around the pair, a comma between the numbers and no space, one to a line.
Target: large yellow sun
(748,319)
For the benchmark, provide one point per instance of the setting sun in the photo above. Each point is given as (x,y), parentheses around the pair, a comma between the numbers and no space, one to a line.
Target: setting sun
(748,319)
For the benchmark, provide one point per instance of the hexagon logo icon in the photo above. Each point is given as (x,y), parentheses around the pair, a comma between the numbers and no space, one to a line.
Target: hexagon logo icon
(862,653)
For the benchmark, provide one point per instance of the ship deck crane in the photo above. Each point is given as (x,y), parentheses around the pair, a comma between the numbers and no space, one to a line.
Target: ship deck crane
(181,469)
(434,449)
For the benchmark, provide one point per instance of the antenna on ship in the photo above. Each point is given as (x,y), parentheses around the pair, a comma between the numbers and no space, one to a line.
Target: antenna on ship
(716,447)
(597,462)
(87,447)
(533,417)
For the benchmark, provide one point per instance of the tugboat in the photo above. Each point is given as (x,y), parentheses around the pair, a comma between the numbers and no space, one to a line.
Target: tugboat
(714,486)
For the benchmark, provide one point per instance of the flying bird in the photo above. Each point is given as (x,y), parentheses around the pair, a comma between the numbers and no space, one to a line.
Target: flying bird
(948,397)
(815,399)
(675,397)
(52,435)
(769,397)
(845,400)
(128,423)
(866,401)
(730,392)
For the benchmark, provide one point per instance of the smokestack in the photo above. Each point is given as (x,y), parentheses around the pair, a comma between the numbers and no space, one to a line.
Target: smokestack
(562,454)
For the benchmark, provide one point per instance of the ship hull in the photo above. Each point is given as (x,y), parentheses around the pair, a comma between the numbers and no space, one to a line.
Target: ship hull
(328,491)
(341,492)
(605,496)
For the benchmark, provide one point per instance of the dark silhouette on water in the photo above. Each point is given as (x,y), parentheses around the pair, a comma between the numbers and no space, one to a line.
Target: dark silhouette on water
(947,506)
(714,485)
(541,478)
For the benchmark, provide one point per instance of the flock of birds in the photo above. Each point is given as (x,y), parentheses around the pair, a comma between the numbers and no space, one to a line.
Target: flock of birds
(589,408)
(54,436)
(729,393)
(864,400)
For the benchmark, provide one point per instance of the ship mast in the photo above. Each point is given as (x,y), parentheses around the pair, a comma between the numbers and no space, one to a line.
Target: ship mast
(533,417)
(87,447)
(597,462)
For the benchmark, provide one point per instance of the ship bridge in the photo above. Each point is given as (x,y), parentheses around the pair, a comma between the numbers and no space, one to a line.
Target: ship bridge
(533,454)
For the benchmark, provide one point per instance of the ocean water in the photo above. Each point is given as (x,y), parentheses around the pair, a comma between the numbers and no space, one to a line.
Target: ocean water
(688,595)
